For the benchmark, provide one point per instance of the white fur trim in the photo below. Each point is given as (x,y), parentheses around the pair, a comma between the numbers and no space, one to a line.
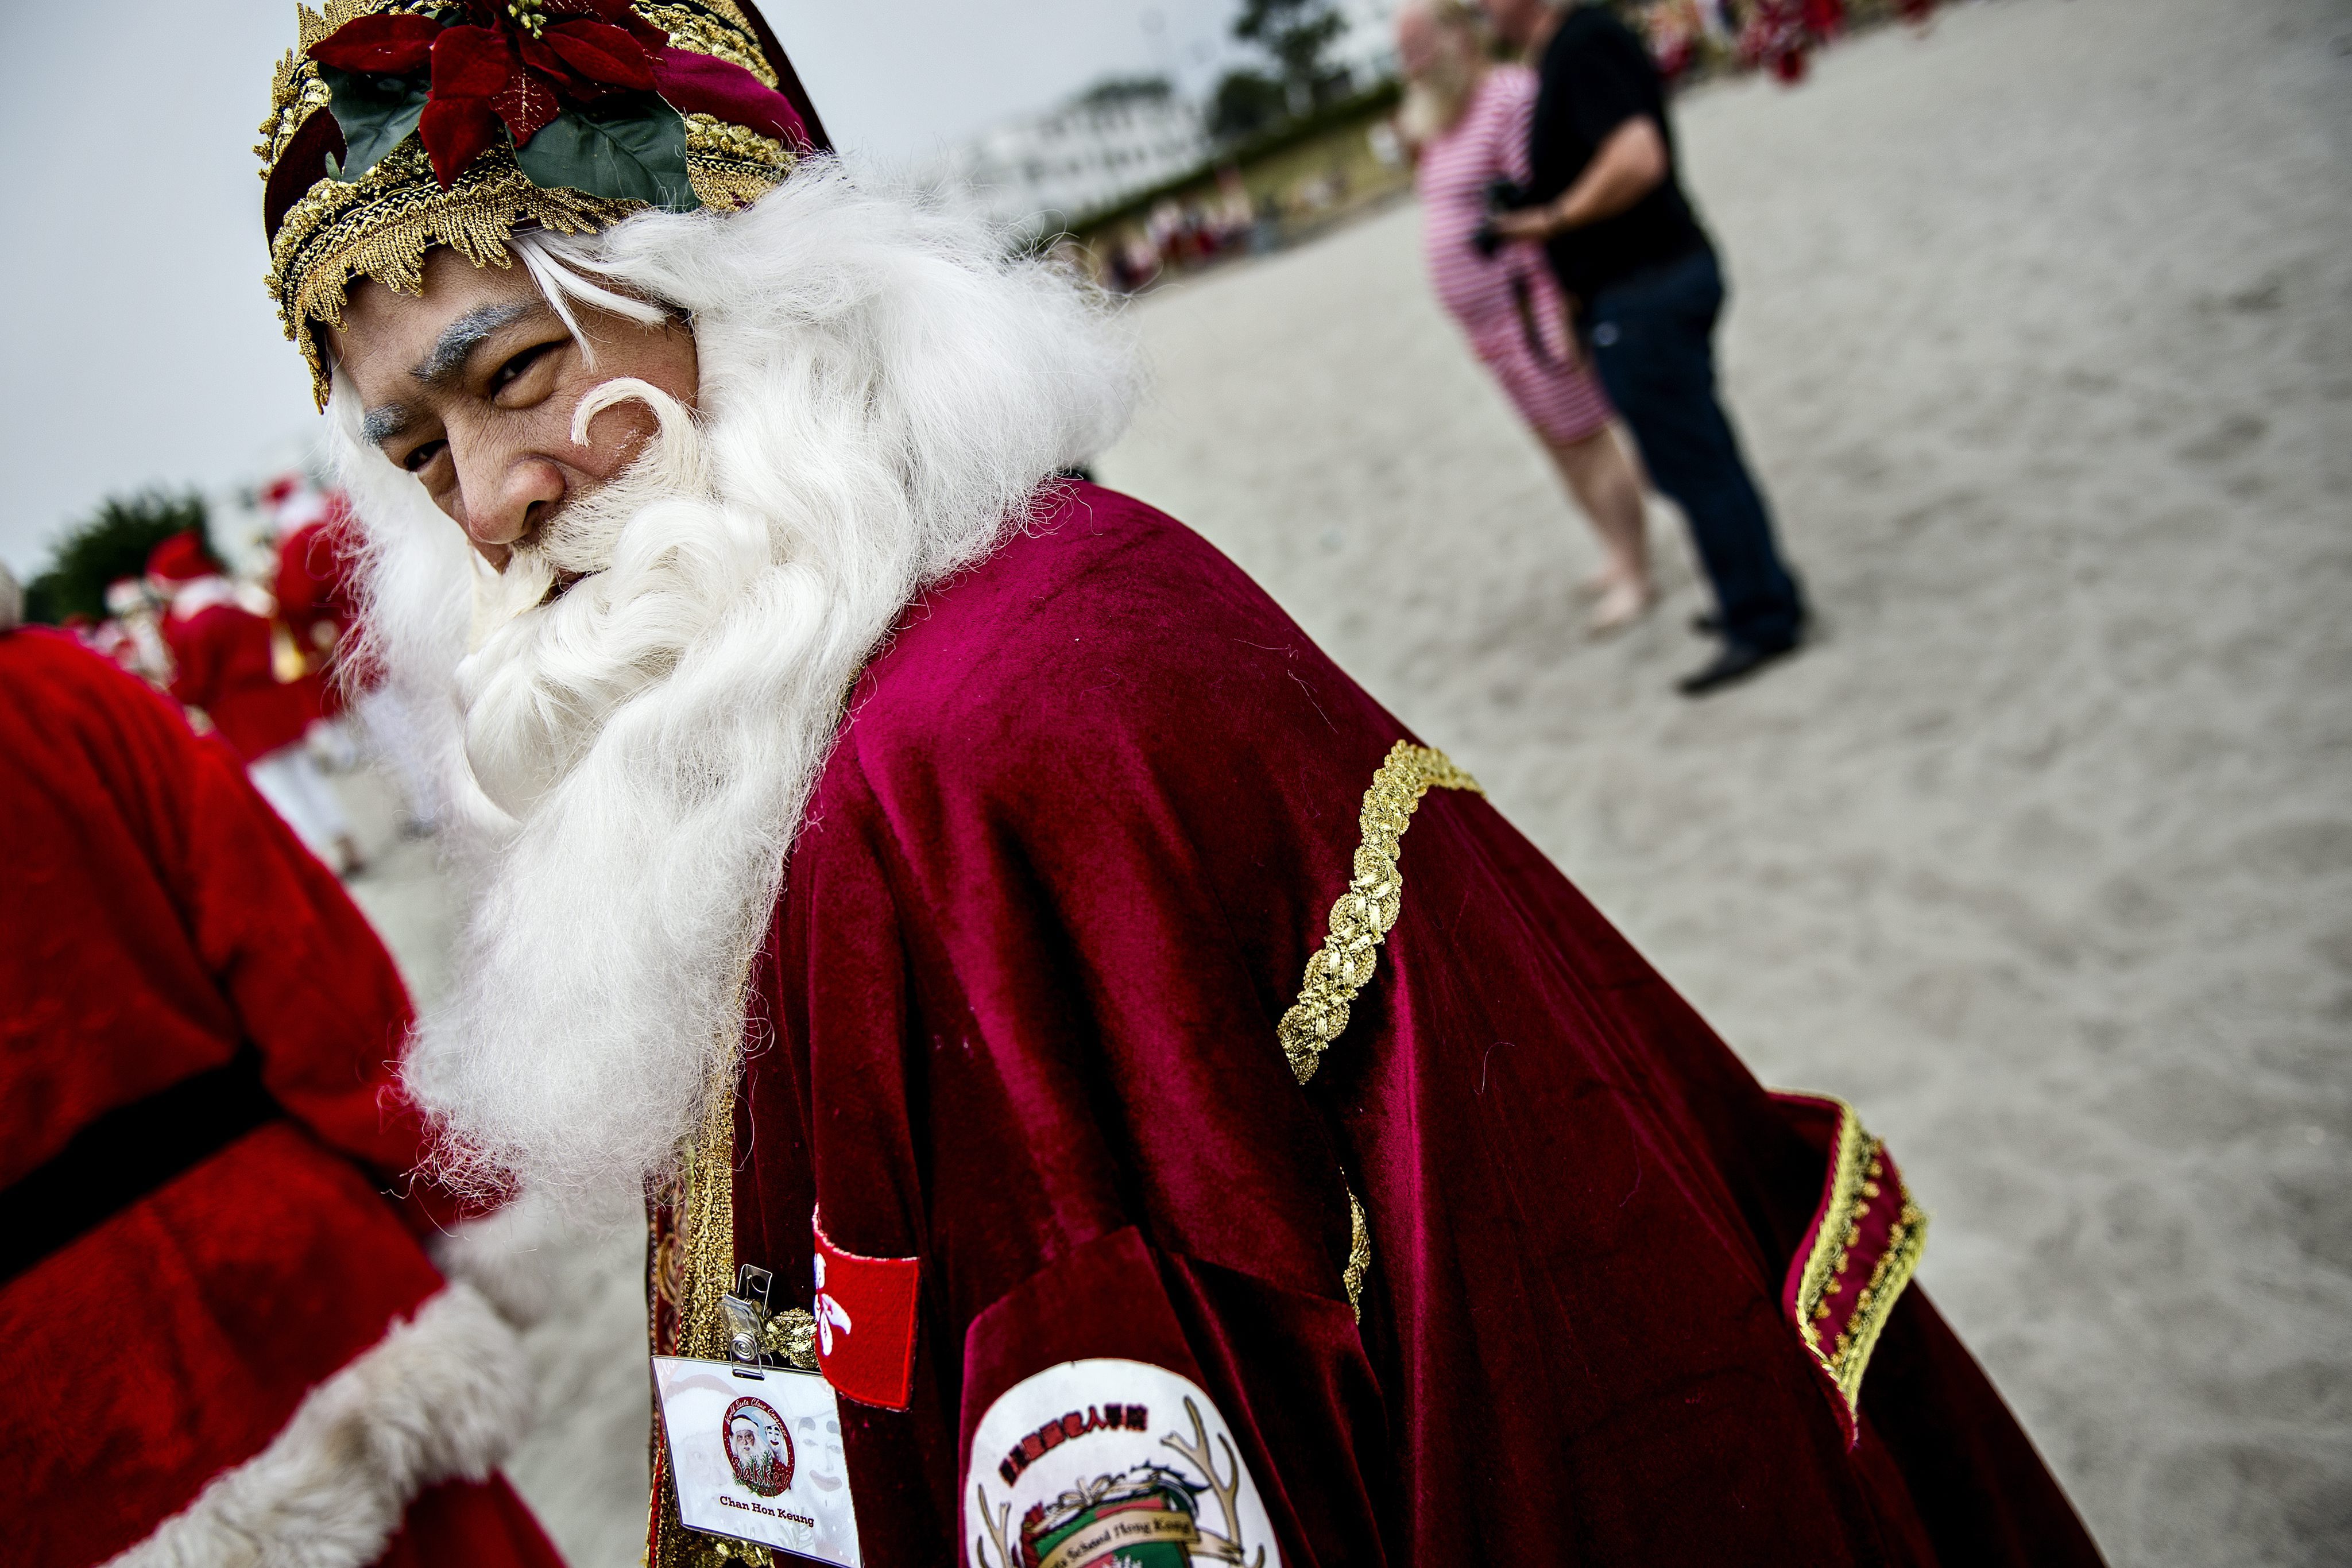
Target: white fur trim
(443,1395)
(512,1255)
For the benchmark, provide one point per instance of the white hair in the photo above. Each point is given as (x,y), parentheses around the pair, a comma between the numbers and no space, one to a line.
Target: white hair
(885,388)
(1436,99)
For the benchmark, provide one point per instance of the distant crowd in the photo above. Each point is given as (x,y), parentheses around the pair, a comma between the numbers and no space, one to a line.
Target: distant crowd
(266,660)
(1689,37)
(1689,40)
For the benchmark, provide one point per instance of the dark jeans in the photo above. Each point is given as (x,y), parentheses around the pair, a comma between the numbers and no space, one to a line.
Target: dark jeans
(1652,339)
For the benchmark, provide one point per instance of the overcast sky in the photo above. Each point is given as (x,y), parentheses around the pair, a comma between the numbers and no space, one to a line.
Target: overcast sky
(139,342)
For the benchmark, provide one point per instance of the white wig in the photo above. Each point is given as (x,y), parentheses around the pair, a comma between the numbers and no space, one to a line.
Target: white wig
(885,388)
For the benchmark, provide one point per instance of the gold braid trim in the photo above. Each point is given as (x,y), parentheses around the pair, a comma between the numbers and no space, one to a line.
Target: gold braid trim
(704,1195)
(1850,1357)
(1359,1255)
(714,29)
(1848,1170)
(296,92)
(731,166)
(707,1230)
(380,225)
(1853,1186)
(1361,919)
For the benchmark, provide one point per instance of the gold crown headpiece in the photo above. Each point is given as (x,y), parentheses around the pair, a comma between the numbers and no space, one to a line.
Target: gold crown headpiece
(398,125)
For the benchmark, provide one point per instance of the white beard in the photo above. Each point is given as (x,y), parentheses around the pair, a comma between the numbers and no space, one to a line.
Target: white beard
(882,396)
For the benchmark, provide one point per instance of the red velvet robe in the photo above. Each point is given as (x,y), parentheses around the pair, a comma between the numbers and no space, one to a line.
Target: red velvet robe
(155,917)
(1017,1021)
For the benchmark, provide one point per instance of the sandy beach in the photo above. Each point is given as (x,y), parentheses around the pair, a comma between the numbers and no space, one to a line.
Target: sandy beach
(2042,853)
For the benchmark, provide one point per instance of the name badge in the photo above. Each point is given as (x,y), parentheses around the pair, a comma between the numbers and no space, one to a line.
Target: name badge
(757,1456)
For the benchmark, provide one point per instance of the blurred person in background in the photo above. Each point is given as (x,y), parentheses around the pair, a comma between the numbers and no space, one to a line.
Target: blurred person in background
(318,590)
(225,664)
(1675,31)
(312,584)
(1466,118)
(722,537)
(222,1340)
(1780,36)
(131,635)
(1643,278)
(313,609)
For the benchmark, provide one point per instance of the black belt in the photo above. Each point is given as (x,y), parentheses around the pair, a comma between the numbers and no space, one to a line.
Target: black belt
(127,1153)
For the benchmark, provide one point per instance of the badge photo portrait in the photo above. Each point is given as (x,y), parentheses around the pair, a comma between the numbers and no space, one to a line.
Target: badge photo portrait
(739,1470)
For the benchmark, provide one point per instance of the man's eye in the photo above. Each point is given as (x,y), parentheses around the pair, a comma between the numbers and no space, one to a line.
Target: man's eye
(514,368)
(416,460)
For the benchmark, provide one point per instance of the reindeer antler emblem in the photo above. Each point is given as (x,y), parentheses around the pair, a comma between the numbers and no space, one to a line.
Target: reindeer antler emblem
(1228,1547)
(996,1519)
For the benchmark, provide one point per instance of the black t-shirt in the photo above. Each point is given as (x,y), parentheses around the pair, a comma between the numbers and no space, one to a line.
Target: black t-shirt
(1595,76)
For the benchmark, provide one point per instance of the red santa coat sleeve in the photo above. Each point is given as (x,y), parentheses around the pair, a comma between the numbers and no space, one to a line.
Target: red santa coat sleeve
(166,915)
(1017,1023)
(157,920)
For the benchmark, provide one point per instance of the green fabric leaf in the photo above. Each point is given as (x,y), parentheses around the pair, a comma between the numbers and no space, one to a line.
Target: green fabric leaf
(377,114)
(633,145)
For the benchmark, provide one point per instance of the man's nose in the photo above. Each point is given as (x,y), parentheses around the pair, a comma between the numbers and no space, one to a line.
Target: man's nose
(506,496)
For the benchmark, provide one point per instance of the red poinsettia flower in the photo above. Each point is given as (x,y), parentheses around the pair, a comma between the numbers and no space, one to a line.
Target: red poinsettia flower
(517,65)
(378,46)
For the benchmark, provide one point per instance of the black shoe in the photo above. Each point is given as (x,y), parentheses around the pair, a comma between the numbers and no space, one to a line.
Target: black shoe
(1734,662)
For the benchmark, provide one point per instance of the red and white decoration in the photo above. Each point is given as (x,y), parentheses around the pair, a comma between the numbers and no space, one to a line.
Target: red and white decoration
(865,1322)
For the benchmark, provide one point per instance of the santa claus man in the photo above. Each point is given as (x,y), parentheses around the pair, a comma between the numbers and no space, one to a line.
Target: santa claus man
(225,664)
(222,1338)
(317,590)
(314,585)
(1215,1127)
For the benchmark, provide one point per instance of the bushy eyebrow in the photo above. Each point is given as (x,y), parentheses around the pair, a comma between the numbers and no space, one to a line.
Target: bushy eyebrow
(460,337)
(447,356)
(379,425)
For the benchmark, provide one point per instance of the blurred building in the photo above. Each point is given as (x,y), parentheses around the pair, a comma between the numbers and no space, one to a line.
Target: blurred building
(1121,138)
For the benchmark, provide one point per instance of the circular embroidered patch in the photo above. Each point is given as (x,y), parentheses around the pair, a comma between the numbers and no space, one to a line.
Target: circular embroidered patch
(1102,1462)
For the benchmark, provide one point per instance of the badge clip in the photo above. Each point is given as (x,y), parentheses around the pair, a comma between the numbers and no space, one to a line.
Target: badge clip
(746,1311)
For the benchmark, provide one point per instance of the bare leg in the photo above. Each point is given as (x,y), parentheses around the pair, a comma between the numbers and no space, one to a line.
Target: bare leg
(1604,481)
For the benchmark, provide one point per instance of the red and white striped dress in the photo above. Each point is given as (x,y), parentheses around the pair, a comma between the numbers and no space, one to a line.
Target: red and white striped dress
(1509,305)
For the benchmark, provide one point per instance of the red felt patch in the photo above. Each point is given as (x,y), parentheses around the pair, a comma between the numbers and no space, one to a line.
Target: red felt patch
(865,1322)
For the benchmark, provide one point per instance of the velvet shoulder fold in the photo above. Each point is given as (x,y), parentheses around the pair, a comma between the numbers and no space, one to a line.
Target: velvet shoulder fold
(1097,807)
